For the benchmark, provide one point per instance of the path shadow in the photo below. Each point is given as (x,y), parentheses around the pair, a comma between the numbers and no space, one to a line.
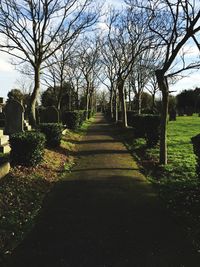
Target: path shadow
(98,152)
(104,169)
(98,223)
(97,141)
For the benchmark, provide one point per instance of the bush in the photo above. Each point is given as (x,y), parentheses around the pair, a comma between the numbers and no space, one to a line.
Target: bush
(91,113)
(82,116)
(129,113)
(130,116)
(152,125)
(4,158)
(138,124)
(146,126)
(107,114)
(196,148)
(27,148)
(52,132)
(74,119)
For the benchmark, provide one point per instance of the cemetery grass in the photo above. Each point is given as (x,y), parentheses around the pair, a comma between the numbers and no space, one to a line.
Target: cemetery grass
(23,190)
(176,183)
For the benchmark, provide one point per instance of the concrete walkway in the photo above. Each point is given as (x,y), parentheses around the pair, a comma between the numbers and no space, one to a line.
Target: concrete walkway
(104,214)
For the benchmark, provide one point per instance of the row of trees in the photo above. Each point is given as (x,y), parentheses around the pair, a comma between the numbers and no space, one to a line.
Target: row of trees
(142,46)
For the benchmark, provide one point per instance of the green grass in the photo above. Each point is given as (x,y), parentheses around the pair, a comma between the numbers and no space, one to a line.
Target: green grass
(177,183)
(181,159)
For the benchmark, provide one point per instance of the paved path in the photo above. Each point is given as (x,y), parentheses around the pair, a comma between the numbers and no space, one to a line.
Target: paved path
(104,214)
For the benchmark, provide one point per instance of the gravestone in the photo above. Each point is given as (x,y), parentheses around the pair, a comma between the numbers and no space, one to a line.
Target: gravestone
(2,120)
(14,117)
(49,115)
(1,104)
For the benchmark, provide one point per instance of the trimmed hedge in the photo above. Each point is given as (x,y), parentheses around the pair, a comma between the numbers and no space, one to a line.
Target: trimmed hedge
(82,116)
(90,113)
(146,126)
(196,148)
(52,132)
(27,148)
(74,119)
(152,127)
(129,113)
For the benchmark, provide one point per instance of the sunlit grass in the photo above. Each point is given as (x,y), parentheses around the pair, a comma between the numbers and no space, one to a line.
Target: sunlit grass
(181,159)
(177,182)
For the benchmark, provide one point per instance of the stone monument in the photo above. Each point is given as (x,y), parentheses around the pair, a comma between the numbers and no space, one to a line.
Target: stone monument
(14,117)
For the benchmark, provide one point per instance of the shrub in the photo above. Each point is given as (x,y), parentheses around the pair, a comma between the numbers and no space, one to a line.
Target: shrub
(52,132)
(4,158)
(196,148)
(27,148)
(107,114)
(72,119)
(146,126)
(130,116)
(138,124)
(152,125)
(120,115)
(91,113)
(82,116)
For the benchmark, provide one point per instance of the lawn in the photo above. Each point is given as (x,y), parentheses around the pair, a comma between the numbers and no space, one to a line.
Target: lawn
(181,159)
(177,183)
(23,190)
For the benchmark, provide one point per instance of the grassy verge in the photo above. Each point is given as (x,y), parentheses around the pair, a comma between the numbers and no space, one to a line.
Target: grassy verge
(177,183)
(23,190)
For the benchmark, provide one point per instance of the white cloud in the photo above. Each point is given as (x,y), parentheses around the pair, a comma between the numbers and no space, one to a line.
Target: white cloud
(189,82)
(5,65)
(8,75)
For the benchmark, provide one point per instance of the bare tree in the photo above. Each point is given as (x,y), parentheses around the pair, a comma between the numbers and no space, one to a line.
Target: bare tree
(109,76)
(173,24)
(57,69)
(128,40)
(141,74)
(30,30)
(88,61)
(152,88)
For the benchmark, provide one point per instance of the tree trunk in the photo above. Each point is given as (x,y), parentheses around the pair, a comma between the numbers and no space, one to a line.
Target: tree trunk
(111,104)
(120,86)
(116,107)
(77,97)
(153,102)
(70,100)
(87,102)
(138,102)
(129,98)
(60,97)
(163,86)
(33,100)
(91,101)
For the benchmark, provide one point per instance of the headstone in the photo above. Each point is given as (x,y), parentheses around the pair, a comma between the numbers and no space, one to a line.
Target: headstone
(2,120)
(49,115)
(14,114)
(1,104)
(4,143)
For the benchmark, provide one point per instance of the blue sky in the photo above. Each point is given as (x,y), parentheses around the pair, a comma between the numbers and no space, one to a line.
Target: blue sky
(9,76)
